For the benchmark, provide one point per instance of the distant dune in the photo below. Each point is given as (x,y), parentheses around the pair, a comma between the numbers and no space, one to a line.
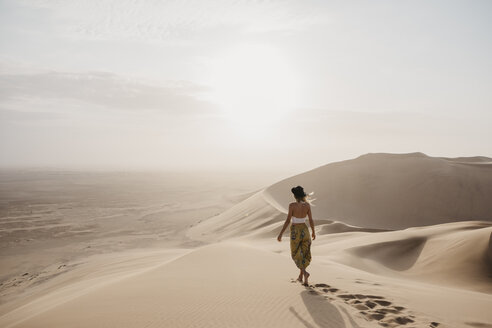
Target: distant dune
(392,191)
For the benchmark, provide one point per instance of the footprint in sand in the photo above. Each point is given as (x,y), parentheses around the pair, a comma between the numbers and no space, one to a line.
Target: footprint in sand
(321,285)
(372,307)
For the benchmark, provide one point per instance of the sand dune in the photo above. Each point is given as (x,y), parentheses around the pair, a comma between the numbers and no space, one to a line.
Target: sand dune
(453,254)
(391,191)
(222,285)
(254,215)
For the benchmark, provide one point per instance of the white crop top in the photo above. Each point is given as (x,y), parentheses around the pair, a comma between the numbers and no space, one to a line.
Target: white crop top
(298,220)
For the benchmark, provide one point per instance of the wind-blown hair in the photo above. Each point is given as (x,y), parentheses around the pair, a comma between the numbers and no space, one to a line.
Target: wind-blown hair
(300,194)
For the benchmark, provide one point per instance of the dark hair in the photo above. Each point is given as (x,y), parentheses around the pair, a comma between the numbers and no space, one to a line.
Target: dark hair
(299,193)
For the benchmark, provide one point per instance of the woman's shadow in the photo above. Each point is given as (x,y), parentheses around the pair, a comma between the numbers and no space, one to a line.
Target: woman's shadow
(324,314)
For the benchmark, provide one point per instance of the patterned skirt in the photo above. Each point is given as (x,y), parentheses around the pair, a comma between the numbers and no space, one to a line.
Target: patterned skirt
(300,245)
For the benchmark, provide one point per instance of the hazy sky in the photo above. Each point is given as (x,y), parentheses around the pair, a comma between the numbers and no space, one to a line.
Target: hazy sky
(287,85)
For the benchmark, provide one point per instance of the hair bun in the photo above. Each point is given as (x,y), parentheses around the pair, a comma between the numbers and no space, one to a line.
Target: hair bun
(298,192)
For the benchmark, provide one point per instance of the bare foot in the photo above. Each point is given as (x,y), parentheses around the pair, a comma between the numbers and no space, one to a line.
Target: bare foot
(306,276)
(300,278)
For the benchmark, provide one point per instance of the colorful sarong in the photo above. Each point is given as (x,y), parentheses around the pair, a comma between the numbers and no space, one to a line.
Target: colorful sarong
(300,245)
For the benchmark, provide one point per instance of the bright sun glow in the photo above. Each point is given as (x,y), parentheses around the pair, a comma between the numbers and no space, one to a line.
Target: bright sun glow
(255,85)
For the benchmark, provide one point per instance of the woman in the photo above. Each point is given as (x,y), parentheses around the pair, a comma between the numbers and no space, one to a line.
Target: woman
(300,242)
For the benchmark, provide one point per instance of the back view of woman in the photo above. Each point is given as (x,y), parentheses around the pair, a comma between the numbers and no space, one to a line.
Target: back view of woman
(300,241)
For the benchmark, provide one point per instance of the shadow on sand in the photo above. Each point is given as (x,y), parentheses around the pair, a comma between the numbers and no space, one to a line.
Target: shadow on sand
(324,314)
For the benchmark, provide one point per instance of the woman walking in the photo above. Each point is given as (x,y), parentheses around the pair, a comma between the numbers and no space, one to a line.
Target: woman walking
(300,241)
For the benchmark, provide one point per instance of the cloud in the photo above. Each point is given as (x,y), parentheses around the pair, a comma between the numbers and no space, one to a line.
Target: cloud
(173,20)
(105,89)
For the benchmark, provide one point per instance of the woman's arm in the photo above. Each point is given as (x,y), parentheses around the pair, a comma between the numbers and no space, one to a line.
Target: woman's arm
(287,221)
(311,223)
